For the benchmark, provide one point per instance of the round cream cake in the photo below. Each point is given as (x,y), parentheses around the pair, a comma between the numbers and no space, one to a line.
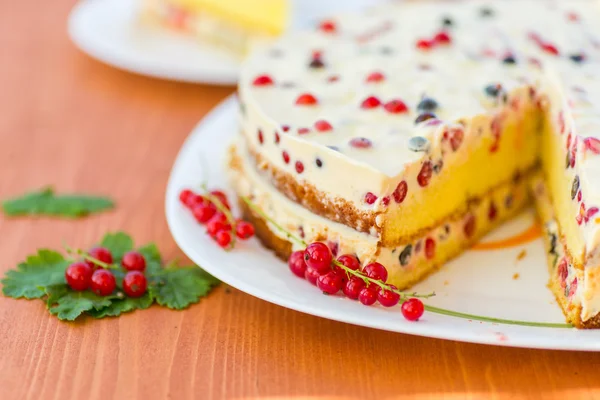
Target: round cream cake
(405,133)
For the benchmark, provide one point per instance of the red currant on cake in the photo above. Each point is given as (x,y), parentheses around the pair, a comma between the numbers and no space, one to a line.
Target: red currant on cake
(263,80)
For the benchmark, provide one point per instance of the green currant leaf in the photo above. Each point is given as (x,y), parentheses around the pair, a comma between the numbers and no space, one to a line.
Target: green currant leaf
(177,288)
(153,258)
(45,202)
(118,243)
(38,271)
(68,304)
(123,305)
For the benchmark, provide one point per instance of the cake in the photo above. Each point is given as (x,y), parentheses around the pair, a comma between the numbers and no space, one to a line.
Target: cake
(231,24)
(407,132)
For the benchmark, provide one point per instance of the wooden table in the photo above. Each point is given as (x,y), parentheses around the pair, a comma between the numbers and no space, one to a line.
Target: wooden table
(84,127)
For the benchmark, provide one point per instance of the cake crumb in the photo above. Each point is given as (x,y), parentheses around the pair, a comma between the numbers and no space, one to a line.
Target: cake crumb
(446,283)
(521,255)
(516,276)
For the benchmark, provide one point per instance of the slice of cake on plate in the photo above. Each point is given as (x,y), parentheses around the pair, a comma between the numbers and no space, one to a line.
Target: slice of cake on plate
(230,24)
(406,133)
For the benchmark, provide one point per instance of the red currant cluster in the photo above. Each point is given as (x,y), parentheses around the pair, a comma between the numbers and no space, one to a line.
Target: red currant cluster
(94,272)
(367,285)
(213,209)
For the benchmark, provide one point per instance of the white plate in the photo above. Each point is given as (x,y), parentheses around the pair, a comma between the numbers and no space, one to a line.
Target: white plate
(109,31)
(479,282)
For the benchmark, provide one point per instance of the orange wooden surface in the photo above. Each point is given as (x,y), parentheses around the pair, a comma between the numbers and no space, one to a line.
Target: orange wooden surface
(82,126)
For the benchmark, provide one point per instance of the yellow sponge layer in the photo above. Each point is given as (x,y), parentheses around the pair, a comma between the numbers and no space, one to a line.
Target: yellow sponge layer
(476,171)
(264,16)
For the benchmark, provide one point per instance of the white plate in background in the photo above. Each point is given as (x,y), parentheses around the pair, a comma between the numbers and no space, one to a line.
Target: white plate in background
(110,31)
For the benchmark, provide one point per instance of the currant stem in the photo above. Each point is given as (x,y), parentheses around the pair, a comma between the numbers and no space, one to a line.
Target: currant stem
(87,257)
(275,224)
(451,313)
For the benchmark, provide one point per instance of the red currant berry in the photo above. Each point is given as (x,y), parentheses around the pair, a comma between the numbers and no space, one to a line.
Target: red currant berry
(306,99)
(78,275)
(244,230)
(360,143)
(442,38)
(388,298)
(323,126)
(193,200)
(374,77)
(412,309)
(425,174)
(263,80)
(299,167)
(350,261)
(223,238)
(204,212)
(133,261)
(429,248)
(221,196)
(217,223)
(327,26)
(370,198)
(103,282)
(312,275)
(400,192)
(396,107)
(368,296)
(318,256)
(376,271)
(297,264)
(134,284)
(100,254)
(286,157)
(184,196)
(424,44)
(330,283)
(370,102)
(353,287)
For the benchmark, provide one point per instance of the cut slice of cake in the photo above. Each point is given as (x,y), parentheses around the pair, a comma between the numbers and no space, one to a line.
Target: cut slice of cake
(231,24)
(405,133)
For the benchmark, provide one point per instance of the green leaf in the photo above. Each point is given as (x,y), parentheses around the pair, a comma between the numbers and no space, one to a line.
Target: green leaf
(45,202)
(127,304)
(32,276)
(153,258)
(118,243)
(177,288)
(68,304)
